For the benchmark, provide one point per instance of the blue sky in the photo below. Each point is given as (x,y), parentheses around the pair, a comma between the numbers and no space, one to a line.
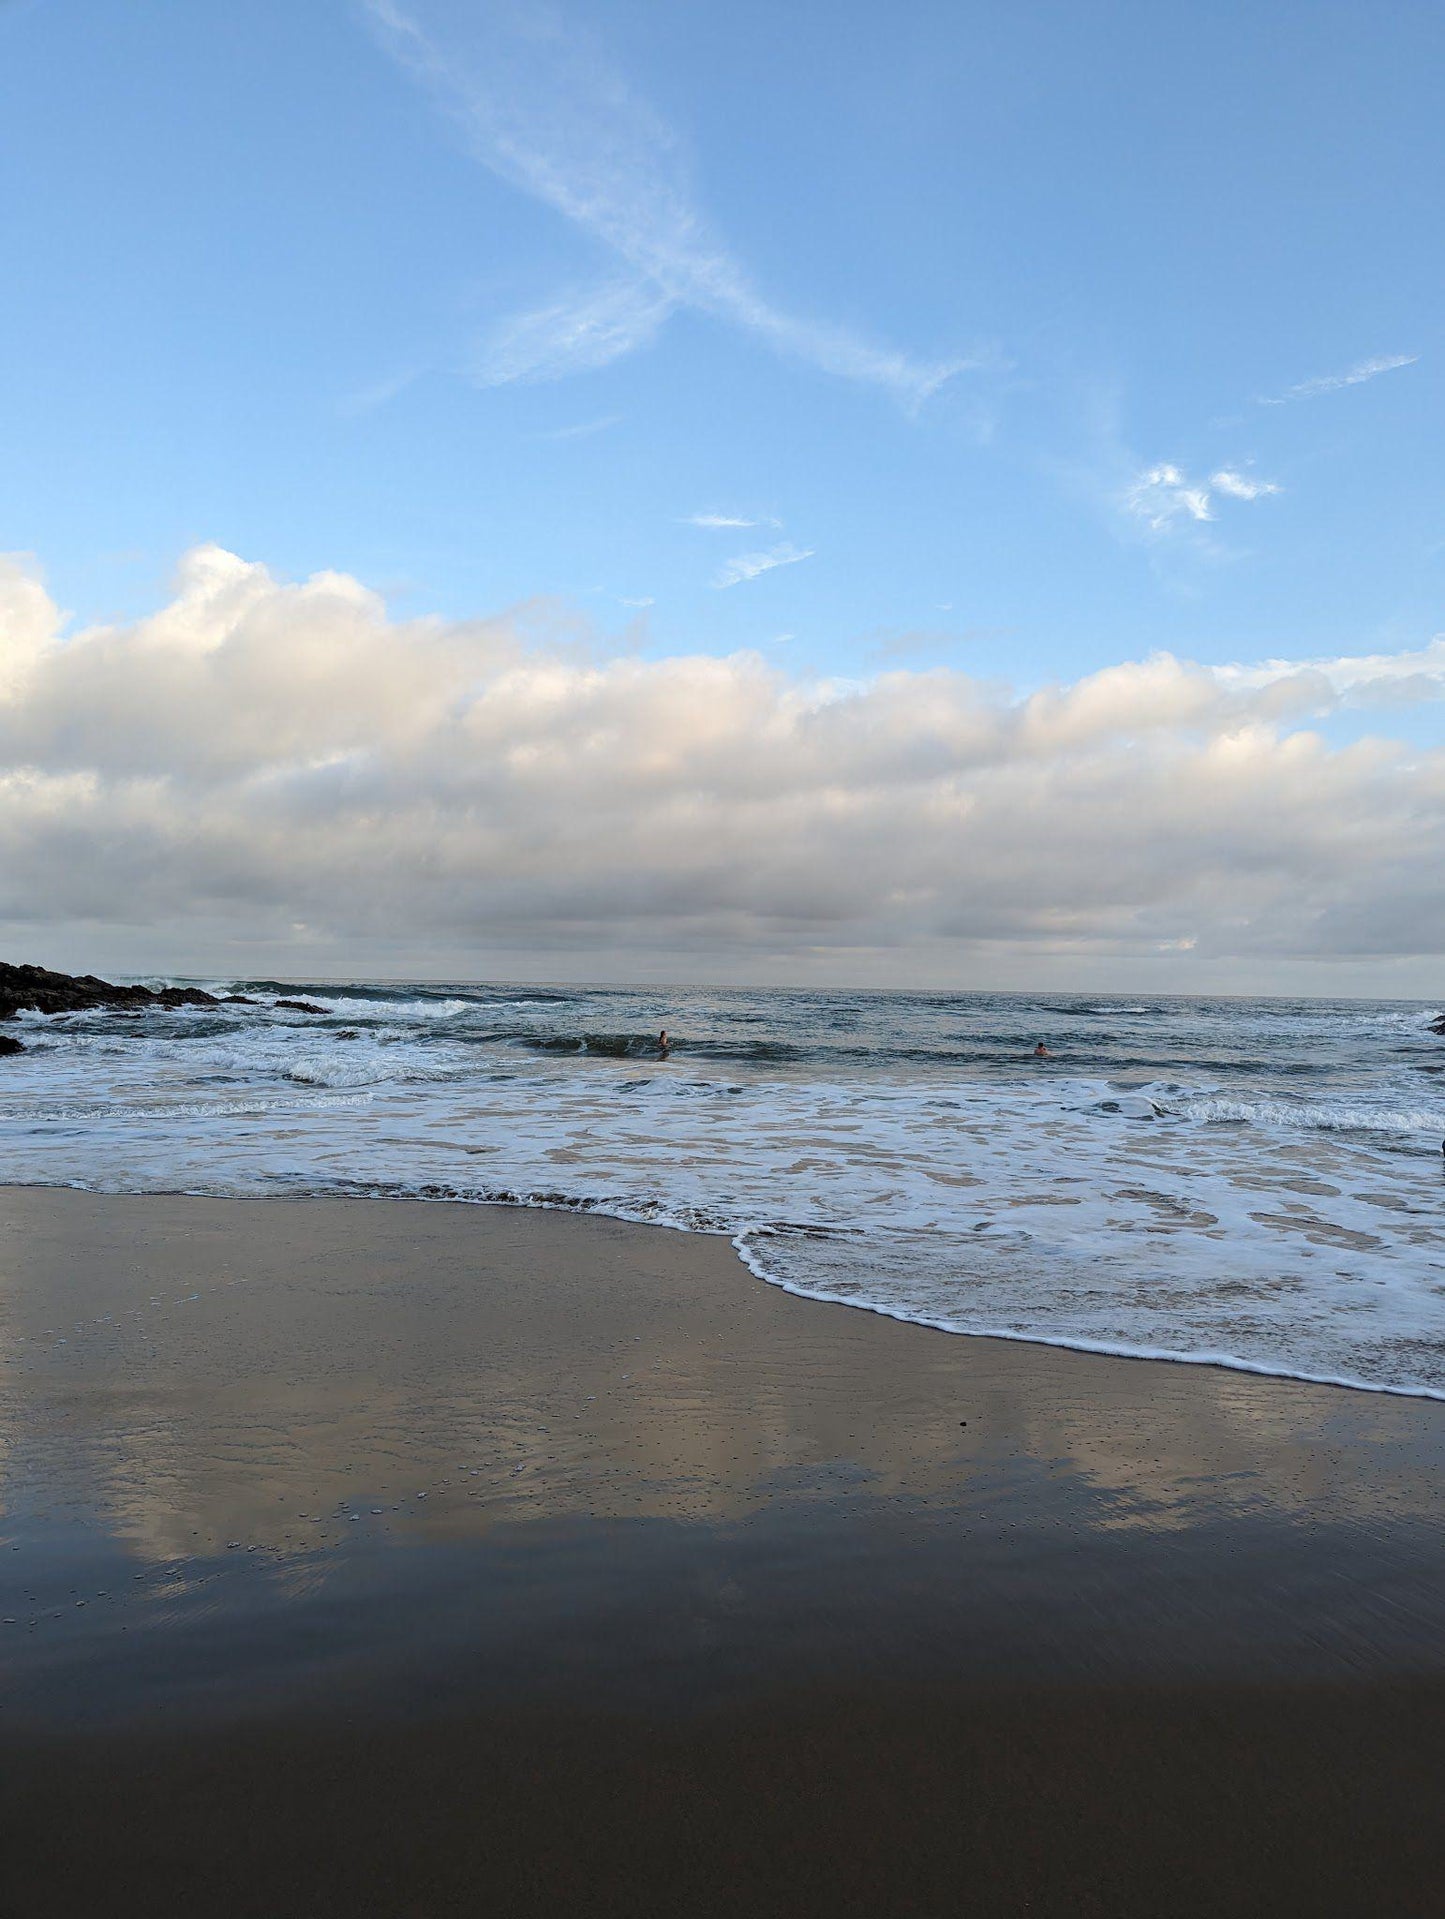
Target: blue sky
(840,492)
(257,266)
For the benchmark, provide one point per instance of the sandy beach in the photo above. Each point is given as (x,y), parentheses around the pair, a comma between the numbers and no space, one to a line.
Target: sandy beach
(373,1557)
(722,1058)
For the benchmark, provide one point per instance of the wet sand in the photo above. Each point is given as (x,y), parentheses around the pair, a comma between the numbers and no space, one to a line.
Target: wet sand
(371,1557)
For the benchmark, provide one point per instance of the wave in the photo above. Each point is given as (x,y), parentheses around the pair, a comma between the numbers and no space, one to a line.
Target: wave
(1129,1106)
(247,1108)
(1117,1349)
(1006,1053)
(419,994)
(602,1045)
(1330,1119)
(323,1073)
(1109,1010)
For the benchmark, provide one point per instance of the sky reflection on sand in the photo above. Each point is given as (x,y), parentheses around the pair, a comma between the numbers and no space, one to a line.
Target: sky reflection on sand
(255,1450)
(293,1375)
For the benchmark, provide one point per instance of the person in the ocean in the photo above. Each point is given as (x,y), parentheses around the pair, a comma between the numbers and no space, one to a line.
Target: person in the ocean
(664,1044)
(1042,1052)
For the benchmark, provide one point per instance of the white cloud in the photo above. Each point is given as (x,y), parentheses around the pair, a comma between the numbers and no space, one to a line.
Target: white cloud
(1240,486)
(1333,382)
(584,429)
(539,103)
(1163,497)
(28,621)
(1353,680)
(645,599)
(713,521)
(747,566)
(256,755)
(582,331)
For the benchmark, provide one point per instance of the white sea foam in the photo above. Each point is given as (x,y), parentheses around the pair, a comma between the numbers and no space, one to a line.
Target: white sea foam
(1170,1197)
(1285,1114)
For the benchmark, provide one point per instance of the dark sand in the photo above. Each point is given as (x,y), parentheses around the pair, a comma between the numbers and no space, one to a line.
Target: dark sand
(712,1605)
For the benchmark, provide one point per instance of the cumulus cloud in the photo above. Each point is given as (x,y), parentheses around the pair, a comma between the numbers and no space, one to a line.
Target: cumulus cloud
(747,566)
(1333,382)
(258,755)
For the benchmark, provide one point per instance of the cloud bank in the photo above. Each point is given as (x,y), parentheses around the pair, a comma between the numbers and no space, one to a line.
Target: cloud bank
(264,768)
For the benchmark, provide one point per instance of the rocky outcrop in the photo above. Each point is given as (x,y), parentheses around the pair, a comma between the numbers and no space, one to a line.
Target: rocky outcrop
(1438,1026)
(299,1005)
(35,989)
(8,1045)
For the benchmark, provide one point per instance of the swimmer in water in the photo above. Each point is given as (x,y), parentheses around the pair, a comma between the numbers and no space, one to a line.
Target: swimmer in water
(664,1044)
(1042,1052)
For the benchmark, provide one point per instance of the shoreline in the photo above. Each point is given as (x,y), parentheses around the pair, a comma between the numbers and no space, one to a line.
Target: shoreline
(1222,1362)
(329,1525)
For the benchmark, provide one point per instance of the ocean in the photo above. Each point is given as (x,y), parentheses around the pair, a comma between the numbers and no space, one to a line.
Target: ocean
(1255,1183)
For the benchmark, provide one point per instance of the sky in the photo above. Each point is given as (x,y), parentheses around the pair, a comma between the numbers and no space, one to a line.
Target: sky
(920,495)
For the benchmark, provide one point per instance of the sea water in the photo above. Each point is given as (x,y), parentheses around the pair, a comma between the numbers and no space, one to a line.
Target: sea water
(1255,1183)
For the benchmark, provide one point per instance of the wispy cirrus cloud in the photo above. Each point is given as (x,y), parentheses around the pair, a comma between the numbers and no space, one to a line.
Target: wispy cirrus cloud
(539,103)
(583,429)
(1161,496)
(1241,486)
(714,522)
(747,566)
(1333,382)
(573,334)
(1164,498)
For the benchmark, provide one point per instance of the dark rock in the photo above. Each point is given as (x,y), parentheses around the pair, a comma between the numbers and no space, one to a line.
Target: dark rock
(1438,1026)
(36,989)
(299,1006)
(8,1046)
(238,999)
